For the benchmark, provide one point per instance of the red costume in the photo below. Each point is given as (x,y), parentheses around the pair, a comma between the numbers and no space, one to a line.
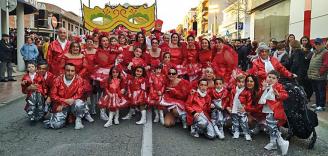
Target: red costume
(60,91)
(137,91)
(38,81)
(245,98)
(197,104)
(113,98)
(156,84)
(55,56)
(177,56)
(258,69)
(49,78)
(192,67)
(205,58)
(177,96)
(90,64)
(222,94)
(224,62)
(79,63)
(277,105)
(104,60)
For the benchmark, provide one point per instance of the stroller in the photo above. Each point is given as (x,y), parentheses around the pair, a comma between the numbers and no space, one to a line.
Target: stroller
(301,121)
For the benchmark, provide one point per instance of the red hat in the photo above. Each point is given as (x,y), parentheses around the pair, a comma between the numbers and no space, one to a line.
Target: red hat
(192,32)
(77,39)
(89,37)
(158,25)
(95,30)
(173,31)
(143,30)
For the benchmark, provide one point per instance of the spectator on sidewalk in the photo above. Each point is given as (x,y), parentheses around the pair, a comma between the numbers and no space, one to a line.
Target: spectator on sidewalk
(308,52)
(317,73)
(29,51)
(6,57)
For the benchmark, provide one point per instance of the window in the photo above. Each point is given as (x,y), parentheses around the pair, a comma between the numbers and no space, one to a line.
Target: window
(69,27)
(64,24)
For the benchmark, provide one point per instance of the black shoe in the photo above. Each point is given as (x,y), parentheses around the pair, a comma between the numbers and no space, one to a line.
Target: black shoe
(12,80)
(3,80)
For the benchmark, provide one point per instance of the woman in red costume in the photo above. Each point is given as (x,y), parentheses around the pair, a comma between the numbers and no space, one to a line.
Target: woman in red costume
(177,55)
(137,60)
(265,63)
(123,41)
(191,65)
(225,60)
(75,57)
(155,53)
(167,64)
(174,98)
(205,53)
(90,54)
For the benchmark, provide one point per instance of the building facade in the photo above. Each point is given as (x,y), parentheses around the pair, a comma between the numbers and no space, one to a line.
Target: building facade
(308,17)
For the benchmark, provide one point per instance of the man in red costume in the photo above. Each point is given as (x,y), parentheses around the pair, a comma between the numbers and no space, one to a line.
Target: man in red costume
(66,94)
(56,51)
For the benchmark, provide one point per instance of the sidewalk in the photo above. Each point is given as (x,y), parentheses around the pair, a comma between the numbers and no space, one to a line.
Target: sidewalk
(10,91)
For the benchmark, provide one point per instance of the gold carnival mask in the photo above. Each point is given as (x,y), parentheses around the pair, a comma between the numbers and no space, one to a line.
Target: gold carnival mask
(133,17)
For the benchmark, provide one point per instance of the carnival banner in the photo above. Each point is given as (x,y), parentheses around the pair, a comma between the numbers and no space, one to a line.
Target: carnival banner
(132,17)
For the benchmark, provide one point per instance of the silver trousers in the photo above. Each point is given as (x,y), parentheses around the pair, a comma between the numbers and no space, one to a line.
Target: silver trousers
(202,125)
(35,106)
(240,120)
(218,118)
(271,124)
(58,120)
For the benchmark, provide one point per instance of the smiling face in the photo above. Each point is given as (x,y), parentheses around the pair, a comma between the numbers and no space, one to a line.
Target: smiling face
(190,40)
(250,83)
(104,42)
(264,54)
(154,43)
(218,84)
(205,44)
(113,41)
(209,74)
(139,72)
(43,69)
(69,72)
(166,58)
(75,49)
(241,82)
(90,43)
(115,73)
(140,38)
(175,39)
(62,34)
(137,52)
(271,79)
(172,74)
(122,40)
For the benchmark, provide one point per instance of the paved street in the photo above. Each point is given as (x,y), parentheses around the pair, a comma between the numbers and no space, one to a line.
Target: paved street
(18,137)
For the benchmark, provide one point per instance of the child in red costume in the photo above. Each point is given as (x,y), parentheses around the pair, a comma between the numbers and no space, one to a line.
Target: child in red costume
(272,97)
(137,60)
(137,94)
(239,97)
(156,90)
(219,96)
(113,98)
(34,86)
(198,107)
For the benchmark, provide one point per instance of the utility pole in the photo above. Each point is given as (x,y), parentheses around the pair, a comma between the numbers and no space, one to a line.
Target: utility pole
(89,4)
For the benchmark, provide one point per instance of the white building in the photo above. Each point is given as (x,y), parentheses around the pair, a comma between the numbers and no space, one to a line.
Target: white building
(309,17)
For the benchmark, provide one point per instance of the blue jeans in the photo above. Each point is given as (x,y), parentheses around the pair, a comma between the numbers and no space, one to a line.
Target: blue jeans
(319,87)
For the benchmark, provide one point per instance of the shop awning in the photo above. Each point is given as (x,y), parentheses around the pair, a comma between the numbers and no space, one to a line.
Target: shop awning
(30,6)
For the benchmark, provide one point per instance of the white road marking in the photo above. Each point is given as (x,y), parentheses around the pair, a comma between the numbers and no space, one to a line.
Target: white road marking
(147,136)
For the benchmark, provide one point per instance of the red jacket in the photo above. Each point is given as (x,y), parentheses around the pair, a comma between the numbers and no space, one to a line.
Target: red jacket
(60,92)
(105,58)
(258,69)
(38,81)
(55,56)
(223,95)
(197,104)
(224,62)
(49,82)
(205,58)
(277,105)
(244,97)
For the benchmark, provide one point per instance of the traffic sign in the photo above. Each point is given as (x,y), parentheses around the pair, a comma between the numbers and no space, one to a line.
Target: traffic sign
(240,26)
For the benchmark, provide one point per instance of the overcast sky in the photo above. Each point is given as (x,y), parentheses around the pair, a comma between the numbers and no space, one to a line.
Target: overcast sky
(171,12)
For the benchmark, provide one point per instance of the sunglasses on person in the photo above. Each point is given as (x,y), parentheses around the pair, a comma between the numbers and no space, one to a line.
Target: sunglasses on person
(172,73)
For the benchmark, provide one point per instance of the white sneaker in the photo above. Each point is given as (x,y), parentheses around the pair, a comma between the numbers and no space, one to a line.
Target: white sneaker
(103,115)
(271,146)
(143,118)
(110,120)
(161,116)
(236,135)
(221,135)
(283,144)
(78,123)
(89,118)
(196,135)
(248,137)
